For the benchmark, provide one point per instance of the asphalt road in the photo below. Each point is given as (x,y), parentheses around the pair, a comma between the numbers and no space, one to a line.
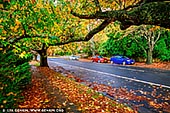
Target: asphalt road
(132,78)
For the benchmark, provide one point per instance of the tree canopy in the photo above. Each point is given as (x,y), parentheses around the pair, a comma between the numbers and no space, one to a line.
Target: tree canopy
(38,25)
(44,24)
(33,19)
(127,12)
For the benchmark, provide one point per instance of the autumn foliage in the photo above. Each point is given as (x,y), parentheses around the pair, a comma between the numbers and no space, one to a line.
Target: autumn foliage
(86,99)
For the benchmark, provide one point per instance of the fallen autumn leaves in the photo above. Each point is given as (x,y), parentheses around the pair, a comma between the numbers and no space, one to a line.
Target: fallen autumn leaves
(136,98)
(41,94)
(48,87)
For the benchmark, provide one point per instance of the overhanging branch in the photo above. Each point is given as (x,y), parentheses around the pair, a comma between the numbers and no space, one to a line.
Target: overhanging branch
(89,35)
(150,13)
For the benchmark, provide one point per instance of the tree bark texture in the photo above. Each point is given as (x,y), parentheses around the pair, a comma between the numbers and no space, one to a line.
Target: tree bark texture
(43,56)
(149,59)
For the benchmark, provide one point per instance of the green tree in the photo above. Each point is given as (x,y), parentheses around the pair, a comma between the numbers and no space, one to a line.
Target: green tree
(151,34)
(137,41)
(116,45)
(39,25)
(162,48)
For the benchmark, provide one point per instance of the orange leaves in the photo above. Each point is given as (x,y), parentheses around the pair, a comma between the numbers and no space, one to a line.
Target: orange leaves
(1,6)
(88,100)
(160,65)
(124,94)
(46,84)
(4,101)
(11,93)
(35,97)
(16,27)
(39,4)
(4,32)
(17,22)
(154,28)
(33,1)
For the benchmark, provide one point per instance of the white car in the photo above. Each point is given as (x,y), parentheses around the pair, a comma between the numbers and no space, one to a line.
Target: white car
(73,57)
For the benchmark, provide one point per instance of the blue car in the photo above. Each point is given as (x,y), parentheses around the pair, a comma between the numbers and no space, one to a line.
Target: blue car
(118,59)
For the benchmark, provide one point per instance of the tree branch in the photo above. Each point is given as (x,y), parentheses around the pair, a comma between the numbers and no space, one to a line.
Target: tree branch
(140,45)
(150,13)
(142,2)
(71,38)
(89,35)
(159,34)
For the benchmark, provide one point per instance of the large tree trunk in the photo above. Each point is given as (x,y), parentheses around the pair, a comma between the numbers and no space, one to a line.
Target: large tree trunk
(149,57)
(43,56)
(35,57)
(35,54)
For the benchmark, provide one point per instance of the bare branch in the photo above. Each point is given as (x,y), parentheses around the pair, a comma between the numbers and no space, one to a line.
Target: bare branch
(159,34)
(140,45)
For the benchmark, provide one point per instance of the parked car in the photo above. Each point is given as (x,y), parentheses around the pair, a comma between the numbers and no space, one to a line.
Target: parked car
(73,57)
(99,59)
(118,59)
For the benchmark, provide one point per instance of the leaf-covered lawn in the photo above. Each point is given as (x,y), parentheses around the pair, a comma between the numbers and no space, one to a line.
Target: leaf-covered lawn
(52,90)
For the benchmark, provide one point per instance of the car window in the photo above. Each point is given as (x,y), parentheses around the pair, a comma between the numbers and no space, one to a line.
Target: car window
(118,57)
(100,57)
(124,57)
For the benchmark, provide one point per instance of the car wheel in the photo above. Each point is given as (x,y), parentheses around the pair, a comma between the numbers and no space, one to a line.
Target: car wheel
(124,63)
(98,61)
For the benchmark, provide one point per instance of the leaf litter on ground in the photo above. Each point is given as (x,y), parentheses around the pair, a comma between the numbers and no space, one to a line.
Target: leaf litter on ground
(124,95)
(50,89)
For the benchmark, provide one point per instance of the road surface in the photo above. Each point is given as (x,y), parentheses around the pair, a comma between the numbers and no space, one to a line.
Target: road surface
(117,76)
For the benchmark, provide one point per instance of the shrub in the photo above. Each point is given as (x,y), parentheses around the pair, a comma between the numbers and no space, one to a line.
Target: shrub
(14,75)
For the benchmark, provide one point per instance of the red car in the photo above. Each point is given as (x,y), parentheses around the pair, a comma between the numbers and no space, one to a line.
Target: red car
(99,59)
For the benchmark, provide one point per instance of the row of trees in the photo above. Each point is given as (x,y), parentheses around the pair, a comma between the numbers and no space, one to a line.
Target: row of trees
(47,24)
(150,42)
(143,42)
